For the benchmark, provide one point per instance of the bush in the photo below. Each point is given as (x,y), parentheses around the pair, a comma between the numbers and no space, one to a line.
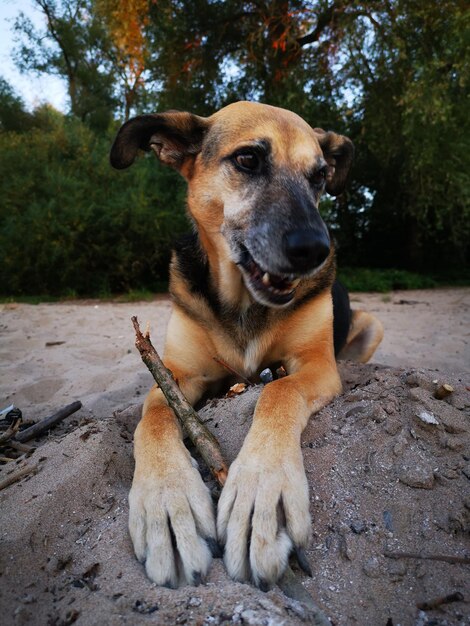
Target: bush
(70,224)
(363,279)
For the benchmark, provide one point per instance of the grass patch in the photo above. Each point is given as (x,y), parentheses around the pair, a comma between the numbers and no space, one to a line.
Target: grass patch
(385,280)
(133,295)
(31,299)
(140,295)
(364,279)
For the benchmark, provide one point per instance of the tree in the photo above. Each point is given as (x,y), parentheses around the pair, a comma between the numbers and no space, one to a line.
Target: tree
(391,74)
(69,223)
(408,63)
(126,21)
(13,113)
(72,46)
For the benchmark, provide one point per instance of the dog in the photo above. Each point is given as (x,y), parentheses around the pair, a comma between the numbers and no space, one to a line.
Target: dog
(254,286)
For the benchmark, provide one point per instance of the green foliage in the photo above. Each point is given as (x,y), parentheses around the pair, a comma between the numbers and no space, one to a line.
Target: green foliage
(365,279)
(73,45)
(13,115)
(394,76)
(411,61)
(68,221)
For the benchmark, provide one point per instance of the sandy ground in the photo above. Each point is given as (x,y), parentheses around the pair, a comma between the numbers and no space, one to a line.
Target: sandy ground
(53,354)
(381,479)
(425,328)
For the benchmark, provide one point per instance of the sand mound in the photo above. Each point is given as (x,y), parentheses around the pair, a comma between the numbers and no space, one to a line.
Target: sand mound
(383,482)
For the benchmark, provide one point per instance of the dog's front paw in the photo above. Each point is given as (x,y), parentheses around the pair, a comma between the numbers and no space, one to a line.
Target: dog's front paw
(171,522)
(263,514)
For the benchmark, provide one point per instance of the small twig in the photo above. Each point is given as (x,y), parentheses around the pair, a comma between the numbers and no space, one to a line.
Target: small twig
(11,430)
(21,447)
(443,391)
(6,459)
(230,369)
(437,602)
(16,476)
(205,442)
(40,427)
(465,560)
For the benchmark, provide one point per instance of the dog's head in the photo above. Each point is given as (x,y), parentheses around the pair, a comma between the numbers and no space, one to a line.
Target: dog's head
(256,174)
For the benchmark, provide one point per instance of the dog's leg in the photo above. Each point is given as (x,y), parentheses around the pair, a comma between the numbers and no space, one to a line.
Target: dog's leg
(365,334)
(268,473)
(171,519)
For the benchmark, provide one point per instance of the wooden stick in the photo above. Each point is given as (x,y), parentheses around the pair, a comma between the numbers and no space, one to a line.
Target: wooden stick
(11,430)
(21,447)
(443,391)
(42,426)
(465,560)
(16,476)
(204,440)
(230,369)
(430,605)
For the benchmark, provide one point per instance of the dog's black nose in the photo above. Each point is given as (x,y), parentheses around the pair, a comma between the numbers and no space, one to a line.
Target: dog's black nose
(306,248)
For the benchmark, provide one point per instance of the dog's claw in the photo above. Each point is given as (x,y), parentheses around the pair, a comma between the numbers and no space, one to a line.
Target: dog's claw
(263,585)
(197,579)
(215,548)
(303,561)
(168,584)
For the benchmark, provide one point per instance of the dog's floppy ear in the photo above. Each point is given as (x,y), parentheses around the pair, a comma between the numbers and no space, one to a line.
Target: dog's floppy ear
(174,136)
(338,151)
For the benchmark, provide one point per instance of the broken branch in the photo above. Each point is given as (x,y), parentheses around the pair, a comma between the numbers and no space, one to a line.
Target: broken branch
(230,369)
(204,441)
(20,447)
(42,426)
(16,476)
(465,560)
(430,605)
(443,391)
(11,430)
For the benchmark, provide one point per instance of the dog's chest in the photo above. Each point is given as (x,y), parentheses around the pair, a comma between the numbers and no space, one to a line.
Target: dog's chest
(254,355)
(253,340)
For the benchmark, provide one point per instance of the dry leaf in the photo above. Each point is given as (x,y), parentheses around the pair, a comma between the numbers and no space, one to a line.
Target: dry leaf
(236,389)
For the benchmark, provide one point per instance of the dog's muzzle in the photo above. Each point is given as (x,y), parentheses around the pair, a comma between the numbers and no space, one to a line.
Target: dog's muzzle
(268,288)
(306,249)
(273,270)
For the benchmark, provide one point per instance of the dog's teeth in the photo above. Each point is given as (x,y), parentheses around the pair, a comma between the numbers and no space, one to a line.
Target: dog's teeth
(266,279)
(294,283)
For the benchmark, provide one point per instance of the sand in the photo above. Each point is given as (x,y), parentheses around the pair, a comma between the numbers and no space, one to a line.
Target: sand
(95,360)
(66,557)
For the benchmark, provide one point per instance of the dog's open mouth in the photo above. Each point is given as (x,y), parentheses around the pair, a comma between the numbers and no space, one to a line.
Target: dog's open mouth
(275,288)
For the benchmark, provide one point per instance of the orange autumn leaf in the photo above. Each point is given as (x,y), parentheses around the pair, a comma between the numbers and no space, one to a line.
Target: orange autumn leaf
(127,20)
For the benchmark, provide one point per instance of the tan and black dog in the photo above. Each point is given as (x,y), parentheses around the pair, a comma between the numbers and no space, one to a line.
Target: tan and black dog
(253,286)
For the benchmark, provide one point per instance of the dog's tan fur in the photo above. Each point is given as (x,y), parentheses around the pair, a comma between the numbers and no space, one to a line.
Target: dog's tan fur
(171,513)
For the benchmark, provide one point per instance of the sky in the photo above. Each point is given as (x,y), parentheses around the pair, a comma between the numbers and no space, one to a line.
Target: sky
(33,89)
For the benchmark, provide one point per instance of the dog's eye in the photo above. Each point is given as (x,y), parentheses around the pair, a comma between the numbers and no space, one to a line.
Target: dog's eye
(318,177)
(248,161)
